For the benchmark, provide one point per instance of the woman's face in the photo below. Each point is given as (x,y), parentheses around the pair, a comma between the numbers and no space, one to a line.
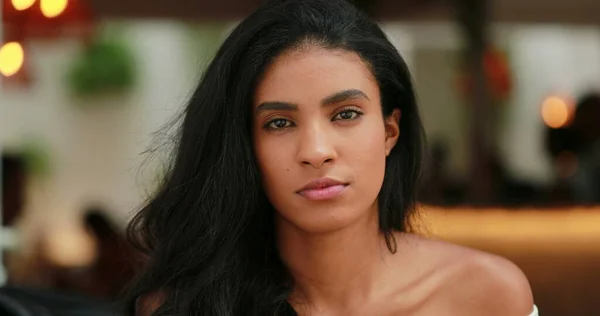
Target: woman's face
(320,138)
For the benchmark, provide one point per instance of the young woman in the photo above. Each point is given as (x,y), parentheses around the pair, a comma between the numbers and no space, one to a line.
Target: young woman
(293,185)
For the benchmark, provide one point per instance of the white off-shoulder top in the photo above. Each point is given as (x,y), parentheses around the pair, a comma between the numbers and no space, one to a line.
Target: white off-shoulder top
(535,311)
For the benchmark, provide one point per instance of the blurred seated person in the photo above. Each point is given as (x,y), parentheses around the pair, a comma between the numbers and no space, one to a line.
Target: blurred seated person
(575,150)
(113,266)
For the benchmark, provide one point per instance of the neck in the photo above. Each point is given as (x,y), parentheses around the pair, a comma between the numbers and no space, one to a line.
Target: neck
(337,269)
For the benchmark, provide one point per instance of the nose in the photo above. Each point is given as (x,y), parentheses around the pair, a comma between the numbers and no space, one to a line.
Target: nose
(316,147)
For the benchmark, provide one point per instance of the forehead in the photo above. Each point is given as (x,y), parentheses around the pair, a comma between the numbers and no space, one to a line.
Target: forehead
(312,73)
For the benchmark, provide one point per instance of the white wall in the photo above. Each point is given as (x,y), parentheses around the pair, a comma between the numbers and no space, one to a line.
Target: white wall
(546,60)
(96,152)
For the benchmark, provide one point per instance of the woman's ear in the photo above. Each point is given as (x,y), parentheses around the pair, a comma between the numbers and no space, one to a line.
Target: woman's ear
(392,130)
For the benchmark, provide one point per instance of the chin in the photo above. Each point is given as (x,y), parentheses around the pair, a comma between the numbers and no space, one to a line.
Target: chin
(326,219)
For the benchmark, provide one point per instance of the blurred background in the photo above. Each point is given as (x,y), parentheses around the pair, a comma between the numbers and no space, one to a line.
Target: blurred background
(509,94)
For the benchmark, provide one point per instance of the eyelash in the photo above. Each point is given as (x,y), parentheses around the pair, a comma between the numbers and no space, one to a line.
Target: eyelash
(357,114)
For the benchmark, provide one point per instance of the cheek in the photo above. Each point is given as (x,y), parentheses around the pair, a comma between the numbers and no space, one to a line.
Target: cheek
(367,157)
(369,144)
(274,160)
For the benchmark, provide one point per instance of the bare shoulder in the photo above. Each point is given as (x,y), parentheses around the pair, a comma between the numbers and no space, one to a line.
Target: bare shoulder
(475,282)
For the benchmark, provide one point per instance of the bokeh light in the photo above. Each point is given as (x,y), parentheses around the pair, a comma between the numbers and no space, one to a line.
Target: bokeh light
(556,112)
(11,58)
(53,8)
(21,5)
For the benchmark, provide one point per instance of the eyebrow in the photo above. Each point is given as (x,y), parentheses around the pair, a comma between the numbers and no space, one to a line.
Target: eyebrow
(350,94)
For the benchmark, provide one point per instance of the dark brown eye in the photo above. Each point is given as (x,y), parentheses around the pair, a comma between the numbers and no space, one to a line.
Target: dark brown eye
(278,123)
(347,115)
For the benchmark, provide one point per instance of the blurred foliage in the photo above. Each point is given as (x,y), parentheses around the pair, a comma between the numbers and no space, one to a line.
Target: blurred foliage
(36,157)
(105,66)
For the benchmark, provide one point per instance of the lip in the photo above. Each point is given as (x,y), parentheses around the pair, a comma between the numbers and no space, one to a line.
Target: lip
(322,189)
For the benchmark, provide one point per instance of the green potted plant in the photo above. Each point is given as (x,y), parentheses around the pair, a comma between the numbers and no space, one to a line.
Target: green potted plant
(105,66)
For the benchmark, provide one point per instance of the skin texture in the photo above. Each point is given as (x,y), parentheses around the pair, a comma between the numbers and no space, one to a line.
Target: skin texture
(308,126)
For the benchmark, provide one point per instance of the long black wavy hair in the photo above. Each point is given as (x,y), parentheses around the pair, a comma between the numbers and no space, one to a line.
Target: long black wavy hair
(208,231)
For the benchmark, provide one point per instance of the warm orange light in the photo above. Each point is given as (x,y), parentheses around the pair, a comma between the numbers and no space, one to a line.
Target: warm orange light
(520,231)
(21,5)
(11,58)
(556,112)
(53,8)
